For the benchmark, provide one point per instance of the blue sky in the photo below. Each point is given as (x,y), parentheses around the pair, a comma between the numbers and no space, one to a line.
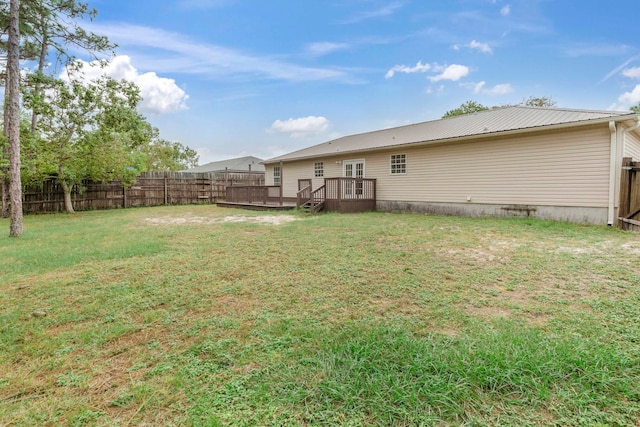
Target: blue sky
(264,77)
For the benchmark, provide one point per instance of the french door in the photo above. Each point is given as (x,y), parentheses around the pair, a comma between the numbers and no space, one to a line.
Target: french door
(352,188)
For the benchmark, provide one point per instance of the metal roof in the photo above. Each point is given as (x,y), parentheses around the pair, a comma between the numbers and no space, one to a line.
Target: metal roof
(240,164)
(481,124)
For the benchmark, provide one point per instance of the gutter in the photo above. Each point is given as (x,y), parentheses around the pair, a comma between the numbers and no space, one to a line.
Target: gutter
(634,127)
(612,172)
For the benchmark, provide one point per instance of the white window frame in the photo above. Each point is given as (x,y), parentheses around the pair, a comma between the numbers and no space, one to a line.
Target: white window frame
(277,177)
(393,161)
(318,169)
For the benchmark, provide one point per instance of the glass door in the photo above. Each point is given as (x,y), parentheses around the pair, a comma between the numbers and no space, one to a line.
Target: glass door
(353,188)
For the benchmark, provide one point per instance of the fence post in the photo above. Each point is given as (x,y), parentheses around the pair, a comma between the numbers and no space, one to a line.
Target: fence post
(625,190)
(166,196)
(124,196)
(211,199)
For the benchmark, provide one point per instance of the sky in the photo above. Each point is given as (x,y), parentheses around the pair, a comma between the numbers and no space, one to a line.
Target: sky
(232,78)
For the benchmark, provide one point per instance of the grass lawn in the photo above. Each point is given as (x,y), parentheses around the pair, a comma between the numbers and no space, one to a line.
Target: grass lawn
(204,316)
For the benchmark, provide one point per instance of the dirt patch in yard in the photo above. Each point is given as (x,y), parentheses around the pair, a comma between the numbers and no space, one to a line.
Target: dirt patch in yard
(188,219)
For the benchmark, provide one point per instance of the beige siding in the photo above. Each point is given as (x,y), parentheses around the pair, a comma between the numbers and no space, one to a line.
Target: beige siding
(563,168)
(268,174)
(632,146)
(292,171)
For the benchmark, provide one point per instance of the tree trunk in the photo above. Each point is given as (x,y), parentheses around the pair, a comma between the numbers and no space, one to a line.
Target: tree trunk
(13,104)
(4,173)
(5,194)
(68,204)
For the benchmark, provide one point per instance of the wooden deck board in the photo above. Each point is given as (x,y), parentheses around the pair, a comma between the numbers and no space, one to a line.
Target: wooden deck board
(257,206)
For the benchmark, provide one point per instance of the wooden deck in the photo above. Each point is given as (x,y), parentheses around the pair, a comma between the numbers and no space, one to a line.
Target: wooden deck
(343,195)
(263,197)
(257,206)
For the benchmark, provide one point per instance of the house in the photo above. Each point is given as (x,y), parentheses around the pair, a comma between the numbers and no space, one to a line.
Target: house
(246,170)
(548,163)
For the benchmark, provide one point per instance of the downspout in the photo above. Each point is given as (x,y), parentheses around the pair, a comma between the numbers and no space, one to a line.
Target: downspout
(612,172)
(618,142)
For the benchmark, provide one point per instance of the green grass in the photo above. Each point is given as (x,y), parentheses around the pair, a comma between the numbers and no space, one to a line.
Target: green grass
(173,316)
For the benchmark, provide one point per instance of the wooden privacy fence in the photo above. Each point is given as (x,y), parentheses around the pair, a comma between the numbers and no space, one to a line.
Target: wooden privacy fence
(629,210)
(150,189)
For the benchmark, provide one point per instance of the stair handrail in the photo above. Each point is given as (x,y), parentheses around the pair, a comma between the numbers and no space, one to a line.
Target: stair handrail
(304,195)
(317,199)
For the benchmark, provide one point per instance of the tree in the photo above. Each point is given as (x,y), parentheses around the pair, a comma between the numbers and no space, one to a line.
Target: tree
(87,130)
(163,155)
(636,108)
(12,106)
(542,101)
(468,107)
(50,26)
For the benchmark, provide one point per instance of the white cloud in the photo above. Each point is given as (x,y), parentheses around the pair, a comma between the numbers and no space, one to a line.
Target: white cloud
(482,47)
(302,127)
(628,99)
(325,48)
(633,73)
(506,11)
(160,95)
(453,72)
(476,87)
(500,89)
(419,68)
(619,68)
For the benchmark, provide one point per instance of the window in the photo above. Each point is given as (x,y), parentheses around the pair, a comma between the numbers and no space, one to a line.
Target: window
(398,164)
(318,169)
(276,175)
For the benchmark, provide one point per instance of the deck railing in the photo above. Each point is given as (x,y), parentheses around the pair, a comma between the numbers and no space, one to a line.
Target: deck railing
(337,195)
(253,194)
(351,188)
(304,195)
(318,197)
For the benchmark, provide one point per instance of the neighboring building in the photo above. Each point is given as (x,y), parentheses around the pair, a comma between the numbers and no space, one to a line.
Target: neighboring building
(548,163)
(239,165)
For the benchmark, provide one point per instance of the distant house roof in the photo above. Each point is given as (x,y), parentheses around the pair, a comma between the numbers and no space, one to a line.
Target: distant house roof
(481,124)
(240,164)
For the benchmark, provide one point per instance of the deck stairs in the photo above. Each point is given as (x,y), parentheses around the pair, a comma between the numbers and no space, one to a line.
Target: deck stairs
(312,201)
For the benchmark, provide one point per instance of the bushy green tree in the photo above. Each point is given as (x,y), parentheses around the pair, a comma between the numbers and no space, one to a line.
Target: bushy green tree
(468,107)
(87,130)
(45,31)
(539,101)
(162,155)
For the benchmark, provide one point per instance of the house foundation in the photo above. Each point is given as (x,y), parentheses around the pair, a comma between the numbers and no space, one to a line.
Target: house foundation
(581,215)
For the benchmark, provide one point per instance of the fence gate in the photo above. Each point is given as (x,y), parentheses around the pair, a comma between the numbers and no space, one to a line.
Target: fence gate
(629,211)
